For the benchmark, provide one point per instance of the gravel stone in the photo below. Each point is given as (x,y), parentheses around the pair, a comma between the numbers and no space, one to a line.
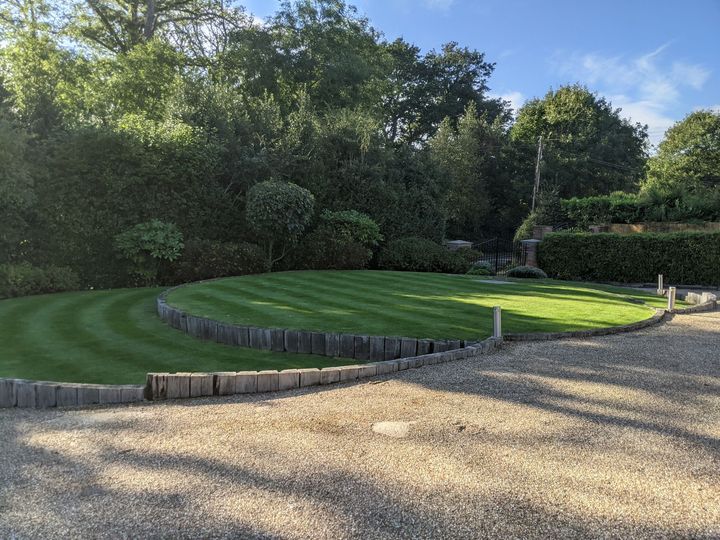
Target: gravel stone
(606,437)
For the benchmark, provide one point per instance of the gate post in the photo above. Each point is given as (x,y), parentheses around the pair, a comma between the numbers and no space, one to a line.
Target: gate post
(530,248)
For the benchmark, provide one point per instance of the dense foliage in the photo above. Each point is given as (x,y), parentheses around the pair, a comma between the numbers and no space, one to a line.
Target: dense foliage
(649,206)
(24,279)
(242,134)
(146,246)
(689,157)
(204,259)
(343,240)
(421,255)
(688,258)
(588,148)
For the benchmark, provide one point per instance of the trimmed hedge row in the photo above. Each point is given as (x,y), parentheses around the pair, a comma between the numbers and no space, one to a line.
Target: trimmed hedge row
(690,258)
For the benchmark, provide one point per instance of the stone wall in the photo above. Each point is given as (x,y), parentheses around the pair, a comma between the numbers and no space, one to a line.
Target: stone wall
(358,347)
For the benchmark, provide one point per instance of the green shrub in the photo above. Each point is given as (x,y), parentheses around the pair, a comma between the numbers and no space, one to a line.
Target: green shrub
(526,272)
(415,254)
(147,245)
(278,213)
(25,279)
(481,269)
(684,258)
(342,241)
(204,259)
(651,205)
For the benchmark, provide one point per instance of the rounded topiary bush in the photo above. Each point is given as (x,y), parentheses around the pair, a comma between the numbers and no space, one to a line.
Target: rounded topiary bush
(481,269)
(526,272)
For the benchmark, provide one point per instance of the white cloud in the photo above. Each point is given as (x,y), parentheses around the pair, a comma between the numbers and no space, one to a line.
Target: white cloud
(645,87)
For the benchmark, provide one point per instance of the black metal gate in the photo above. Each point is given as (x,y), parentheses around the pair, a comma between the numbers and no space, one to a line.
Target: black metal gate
(500,254)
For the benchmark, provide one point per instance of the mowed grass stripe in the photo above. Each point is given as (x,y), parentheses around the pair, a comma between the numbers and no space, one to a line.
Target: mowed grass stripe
(412,304)
(114,337)
(403,314)
(333,298)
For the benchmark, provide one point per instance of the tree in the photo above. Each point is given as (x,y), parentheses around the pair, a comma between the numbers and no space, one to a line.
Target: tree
(476,163)
(278,212)
(320,48)
(32,65)
(588,148)
(198,28)
(421,91)
(689,156)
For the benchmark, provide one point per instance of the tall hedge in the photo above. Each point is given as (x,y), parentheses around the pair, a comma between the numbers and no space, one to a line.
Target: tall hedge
(690,258)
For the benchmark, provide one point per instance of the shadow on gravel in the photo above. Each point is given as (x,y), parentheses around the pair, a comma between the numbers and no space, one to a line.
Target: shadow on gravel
(78,497)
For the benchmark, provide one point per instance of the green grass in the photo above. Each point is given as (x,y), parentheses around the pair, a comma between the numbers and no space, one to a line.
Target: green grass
(114,337)
(409,304)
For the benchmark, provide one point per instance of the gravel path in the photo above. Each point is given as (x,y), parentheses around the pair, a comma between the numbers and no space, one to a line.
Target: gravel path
(612,437)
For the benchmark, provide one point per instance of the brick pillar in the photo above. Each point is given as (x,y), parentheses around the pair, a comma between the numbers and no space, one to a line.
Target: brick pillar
(530,249)
(539,231)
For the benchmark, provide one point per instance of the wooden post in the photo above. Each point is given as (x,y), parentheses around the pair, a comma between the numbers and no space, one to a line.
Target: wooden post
(497,322)
(671,298)
(660,288)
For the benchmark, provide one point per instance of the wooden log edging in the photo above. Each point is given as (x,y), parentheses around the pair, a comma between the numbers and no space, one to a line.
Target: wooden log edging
(657,318)
(330,344)
(161,386)
(24,394)
(697,308)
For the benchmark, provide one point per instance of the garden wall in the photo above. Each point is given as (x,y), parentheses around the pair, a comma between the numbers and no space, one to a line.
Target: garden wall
(690,258)
(186,385)
(359,347)
(40,394)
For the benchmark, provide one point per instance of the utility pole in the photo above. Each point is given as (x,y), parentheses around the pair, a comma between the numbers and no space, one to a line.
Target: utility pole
(536,187)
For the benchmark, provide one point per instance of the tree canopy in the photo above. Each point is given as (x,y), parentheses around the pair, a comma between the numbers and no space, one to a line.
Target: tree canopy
(689,156)
(589,149)
(115,113)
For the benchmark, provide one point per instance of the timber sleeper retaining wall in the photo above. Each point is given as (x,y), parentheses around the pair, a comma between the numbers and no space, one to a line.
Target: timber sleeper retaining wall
(23,393)
(332,344)
(161,386)
(657,318)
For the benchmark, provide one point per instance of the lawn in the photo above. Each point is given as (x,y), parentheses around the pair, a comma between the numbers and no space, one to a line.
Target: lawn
(114,337)
(409,304)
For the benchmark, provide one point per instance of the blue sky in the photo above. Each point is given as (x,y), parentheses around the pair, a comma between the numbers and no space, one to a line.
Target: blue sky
(657,60)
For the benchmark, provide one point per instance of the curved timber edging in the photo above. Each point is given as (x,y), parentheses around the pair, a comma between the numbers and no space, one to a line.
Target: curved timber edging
(161,386)
(21,393)
(25,394)
(330,344)
(657,318)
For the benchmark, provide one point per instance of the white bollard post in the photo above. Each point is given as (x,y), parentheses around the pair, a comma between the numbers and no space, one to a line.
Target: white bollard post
(661,288)
(671,298)
(497,322)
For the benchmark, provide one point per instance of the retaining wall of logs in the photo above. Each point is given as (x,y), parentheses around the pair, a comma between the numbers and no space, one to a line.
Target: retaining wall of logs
(43,394)
(335,345)
(162,386)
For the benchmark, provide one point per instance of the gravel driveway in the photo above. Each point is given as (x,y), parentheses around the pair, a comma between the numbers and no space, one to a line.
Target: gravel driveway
(612,437)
